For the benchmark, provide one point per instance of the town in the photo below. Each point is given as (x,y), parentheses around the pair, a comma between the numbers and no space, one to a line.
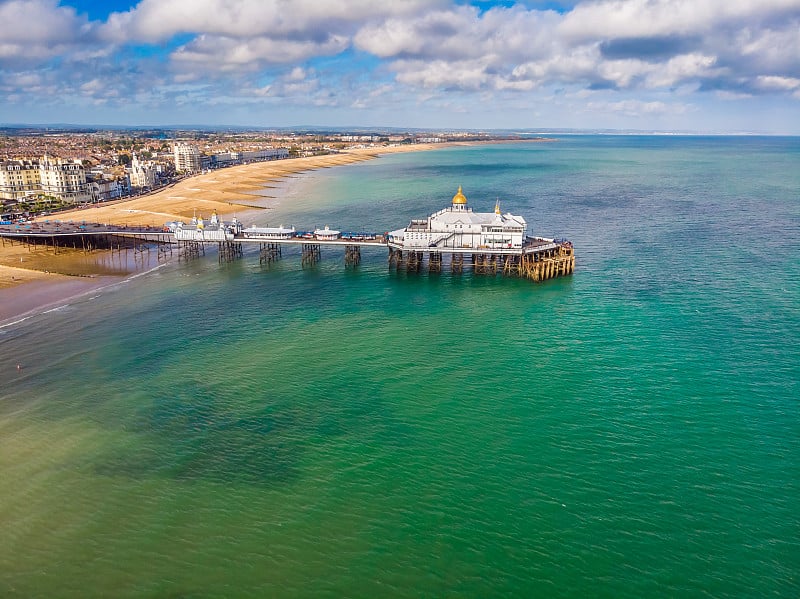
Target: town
(46,170)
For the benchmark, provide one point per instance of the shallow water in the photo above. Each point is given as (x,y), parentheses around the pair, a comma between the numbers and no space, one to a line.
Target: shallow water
(632,430)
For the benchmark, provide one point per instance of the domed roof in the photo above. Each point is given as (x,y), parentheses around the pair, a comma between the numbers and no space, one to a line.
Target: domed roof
(459,198)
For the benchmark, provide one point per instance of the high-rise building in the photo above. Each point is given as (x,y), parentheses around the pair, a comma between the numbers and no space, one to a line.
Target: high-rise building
(187,158)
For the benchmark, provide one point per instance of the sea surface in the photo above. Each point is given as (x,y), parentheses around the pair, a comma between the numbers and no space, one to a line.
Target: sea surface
(235,430)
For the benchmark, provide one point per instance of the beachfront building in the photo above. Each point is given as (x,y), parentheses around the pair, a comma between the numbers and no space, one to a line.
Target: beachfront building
(64,180)
(187,158)
(458,227)
(19,179)
(143,174)
(264,154)
(222,159)
(103,190)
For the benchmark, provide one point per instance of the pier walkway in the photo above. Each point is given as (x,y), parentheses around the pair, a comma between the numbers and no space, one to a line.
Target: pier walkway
(538,259)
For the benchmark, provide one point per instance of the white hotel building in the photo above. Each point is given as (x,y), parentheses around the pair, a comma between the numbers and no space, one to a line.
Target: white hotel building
(49,177)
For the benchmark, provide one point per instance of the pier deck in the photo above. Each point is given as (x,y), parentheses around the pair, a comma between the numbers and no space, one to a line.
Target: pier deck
(538,259)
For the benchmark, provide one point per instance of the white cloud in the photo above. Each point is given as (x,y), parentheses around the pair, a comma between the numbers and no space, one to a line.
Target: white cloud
(460,33)
(39,22)
(444,54)
(771,82)
(680,69)
(651,18)
(469,75)
(34,30)
(156,20)
(213,53)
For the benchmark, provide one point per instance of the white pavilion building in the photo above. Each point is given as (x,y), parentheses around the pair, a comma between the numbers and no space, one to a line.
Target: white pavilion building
(458,227)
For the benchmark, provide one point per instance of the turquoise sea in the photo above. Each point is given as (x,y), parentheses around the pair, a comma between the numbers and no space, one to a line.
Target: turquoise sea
(232,430)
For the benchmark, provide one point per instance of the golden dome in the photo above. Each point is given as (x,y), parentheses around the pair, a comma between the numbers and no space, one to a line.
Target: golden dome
(459,198)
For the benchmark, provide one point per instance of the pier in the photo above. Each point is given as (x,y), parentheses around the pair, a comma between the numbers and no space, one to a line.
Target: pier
(539,259)
(455,239)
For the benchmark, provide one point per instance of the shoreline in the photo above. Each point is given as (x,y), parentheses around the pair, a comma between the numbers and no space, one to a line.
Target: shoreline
(31,281)
(226,191)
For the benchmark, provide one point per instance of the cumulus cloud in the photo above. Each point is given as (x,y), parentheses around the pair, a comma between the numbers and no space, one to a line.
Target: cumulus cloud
(778,83)
(611,44)
(34,30)
(648,19)
(462,32)
(157,21)
(214,53)
(352,52)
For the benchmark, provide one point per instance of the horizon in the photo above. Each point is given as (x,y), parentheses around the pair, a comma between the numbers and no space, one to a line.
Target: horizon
(338,130)
(660,67)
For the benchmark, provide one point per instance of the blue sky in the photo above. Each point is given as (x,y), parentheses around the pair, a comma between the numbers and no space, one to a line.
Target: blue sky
(650,65)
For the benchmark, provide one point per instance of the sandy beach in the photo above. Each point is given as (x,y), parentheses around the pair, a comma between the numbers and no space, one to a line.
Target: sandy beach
(225,191)
(33,278)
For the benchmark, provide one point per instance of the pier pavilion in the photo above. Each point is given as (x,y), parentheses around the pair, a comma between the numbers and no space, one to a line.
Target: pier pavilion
(491,242)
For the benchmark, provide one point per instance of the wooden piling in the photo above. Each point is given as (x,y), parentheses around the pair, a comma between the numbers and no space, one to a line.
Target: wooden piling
(352,255)
(310,254)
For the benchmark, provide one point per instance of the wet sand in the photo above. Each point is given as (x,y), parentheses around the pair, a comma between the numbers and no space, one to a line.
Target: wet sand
(38,295)
(35,279)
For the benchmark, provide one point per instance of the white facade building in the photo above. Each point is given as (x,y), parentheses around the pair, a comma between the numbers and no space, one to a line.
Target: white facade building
(19,179)
(458,227)
(187,158)
(142,174)
(57,178)
(64,180)
(265,154)
(103,190)
(200,230)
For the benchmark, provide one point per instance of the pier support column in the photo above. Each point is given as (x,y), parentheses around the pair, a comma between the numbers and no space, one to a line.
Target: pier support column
(434,262)
(484,264)
(414,261)
(187,250)
(509,266)
(164,251)
(310,254)
(229,251)
(395,256)
(268,252)
(352,255)
(457,263)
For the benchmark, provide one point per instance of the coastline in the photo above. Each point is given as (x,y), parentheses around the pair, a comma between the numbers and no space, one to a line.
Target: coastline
(32,281)
(225,191)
